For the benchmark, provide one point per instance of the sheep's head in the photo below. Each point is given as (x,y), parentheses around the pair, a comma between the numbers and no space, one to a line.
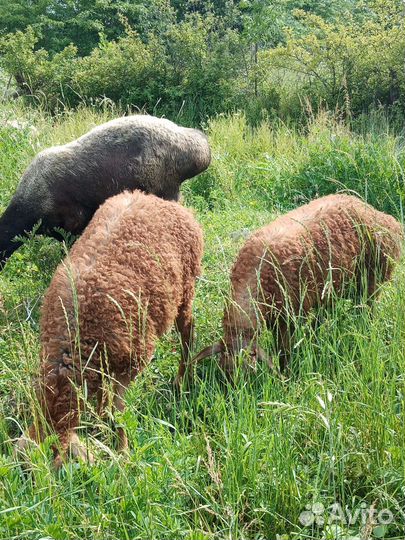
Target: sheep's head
(195,155)
(228,351)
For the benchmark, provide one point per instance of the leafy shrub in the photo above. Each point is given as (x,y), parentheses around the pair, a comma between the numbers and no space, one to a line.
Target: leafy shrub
(46,80)
(190,69)
(200,65)
(120,70)
(353,64)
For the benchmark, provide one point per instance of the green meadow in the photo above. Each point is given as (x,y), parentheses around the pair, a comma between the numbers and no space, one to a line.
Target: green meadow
(320,455)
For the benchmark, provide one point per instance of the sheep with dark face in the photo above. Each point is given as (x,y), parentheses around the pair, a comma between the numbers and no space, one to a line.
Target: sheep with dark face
(126,281)
(292,265)
(64,185)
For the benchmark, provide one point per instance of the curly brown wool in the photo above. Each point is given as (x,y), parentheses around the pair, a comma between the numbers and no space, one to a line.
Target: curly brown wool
(126,281)
(294,264)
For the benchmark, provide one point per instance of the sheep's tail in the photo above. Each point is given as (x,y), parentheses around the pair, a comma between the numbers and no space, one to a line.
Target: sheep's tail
(14,222)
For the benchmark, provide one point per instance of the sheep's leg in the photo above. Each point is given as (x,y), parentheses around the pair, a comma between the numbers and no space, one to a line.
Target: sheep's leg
(72,445)
(283,344)
(185,326)
(59,402)
(120,385)
(101,401)
(72,217)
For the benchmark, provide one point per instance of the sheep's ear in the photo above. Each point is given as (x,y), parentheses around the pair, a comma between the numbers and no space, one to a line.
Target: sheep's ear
(211,350)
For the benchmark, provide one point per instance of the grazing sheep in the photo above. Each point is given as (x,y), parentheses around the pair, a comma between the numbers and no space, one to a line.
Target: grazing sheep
(64,185)
(126,281)
(292,265)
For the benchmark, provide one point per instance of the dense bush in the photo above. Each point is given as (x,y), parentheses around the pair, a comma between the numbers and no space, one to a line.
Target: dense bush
(354,64)
(189,60)
(121,70)
(45,79)
(191,69)
(61,22)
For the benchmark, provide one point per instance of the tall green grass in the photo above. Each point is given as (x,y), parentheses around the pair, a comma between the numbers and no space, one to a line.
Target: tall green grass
(221,460)
(281,166)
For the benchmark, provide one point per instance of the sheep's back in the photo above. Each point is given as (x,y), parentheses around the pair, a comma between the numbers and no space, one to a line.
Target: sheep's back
(297,260)
(127,272)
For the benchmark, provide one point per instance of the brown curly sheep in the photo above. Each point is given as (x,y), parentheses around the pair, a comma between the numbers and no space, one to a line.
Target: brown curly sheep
(292,265)
(126,281)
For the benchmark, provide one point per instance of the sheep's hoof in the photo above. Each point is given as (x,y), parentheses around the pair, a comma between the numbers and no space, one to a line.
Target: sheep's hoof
(58,462)
(124,451)
(178,383)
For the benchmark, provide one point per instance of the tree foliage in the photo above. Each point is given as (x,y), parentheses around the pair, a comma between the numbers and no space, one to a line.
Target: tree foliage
(353,65)
(191,67)
(197,58)
(61,22)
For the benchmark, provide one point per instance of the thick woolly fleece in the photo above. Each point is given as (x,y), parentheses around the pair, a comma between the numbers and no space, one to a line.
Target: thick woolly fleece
(293,265)
(126,281)
(64,185)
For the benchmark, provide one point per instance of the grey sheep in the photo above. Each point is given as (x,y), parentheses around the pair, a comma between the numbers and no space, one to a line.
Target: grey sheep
(64,185)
